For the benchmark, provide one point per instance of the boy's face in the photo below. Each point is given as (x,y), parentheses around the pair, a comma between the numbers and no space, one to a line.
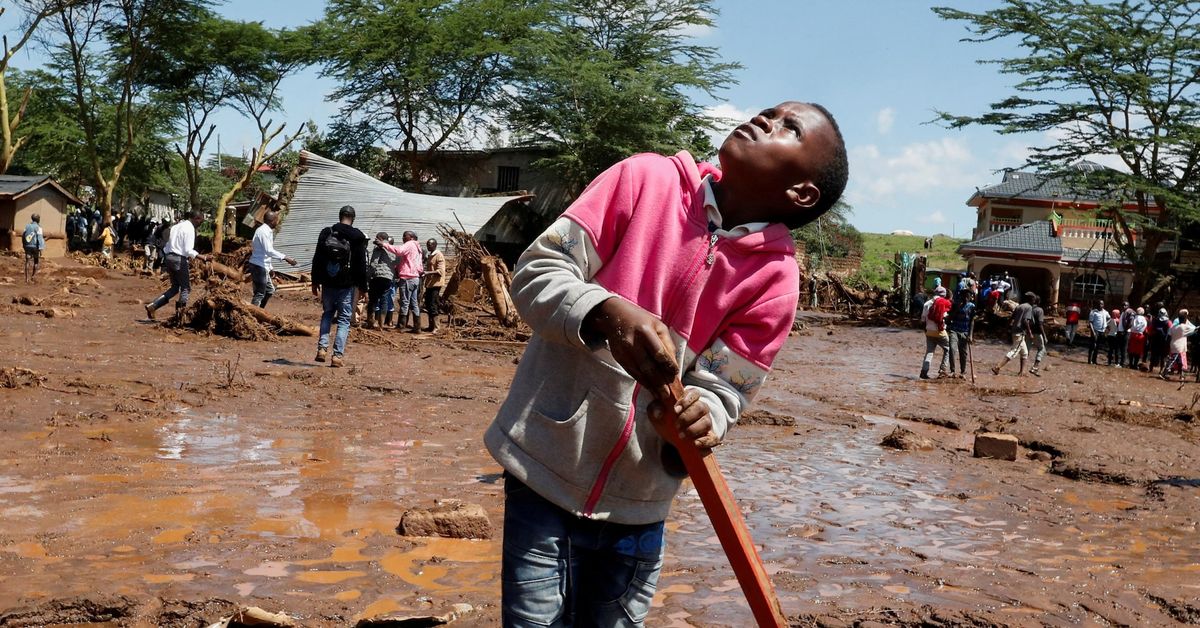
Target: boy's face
(780,151)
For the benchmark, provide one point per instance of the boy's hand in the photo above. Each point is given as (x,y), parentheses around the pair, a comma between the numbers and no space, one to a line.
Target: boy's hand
(639,342)
(693,422)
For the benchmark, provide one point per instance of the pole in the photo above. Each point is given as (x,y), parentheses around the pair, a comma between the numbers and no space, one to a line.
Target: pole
(726,518)
(970,355)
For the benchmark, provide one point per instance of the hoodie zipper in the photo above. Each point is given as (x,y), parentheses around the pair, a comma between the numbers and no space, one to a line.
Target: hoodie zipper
(610,461)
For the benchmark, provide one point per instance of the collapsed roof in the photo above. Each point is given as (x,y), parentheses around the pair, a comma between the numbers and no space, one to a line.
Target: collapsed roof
(327,185)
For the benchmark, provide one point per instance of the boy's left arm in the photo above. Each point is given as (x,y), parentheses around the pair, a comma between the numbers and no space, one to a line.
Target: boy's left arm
(728,374)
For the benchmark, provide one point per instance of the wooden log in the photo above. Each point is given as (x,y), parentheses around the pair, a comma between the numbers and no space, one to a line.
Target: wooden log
(285,325)
(506,313)
(217,268)
(726,518)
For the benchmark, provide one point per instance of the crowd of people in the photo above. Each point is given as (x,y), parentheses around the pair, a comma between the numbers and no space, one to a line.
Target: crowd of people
(1143,339)
(341,269)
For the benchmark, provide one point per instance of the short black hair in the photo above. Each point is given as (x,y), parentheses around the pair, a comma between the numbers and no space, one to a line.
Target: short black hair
(194,214)
(831,177)
(347,211)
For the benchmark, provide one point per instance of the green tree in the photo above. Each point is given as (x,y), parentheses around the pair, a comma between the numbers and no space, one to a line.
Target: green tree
(210,69)
(35,12)
(283,54)
(420,75)
(609,78)
(1107,78)
(830,236)
(102,50)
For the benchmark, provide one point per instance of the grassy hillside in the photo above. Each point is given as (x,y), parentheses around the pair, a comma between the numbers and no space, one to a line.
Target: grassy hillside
(880,249)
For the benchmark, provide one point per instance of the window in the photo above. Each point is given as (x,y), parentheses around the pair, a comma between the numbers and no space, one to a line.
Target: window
(507,178)
(1088,287)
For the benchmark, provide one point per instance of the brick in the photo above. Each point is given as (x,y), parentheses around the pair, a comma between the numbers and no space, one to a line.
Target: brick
(998,446)
(451,519)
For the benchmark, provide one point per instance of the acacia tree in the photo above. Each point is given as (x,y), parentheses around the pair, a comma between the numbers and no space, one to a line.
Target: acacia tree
(35,12)
(420,74)
(257,97)
(1107,78)
(102,48)
(609,78)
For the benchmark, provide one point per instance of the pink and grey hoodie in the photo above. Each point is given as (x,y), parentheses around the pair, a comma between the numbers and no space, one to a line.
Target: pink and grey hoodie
(574,426)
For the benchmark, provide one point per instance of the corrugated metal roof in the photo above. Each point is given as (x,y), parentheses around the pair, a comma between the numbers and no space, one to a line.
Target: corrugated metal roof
(328,185)
(1031,237)
(12,185)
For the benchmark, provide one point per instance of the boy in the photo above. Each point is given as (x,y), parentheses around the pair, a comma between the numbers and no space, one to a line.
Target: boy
(662,268)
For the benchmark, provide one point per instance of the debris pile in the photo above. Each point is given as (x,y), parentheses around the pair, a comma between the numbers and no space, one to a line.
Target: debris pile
(17,377)
(479,276)
(220,310)
(132,260)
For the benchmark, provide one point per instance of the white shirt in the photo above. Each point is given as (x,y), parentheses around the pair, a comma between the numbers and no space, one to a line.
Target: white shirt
(1098,320)
(183,240)
(1139,324)
(1179,334)
(262,248)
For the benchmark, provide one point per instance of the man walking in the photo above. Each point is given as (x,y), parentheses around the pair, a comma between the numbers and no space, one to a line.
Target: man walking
(180,250)
(1037,321)
(434,280)
(1097,322)
(33,240)
(934,317)
(1021,329)
(339,266)
(961,315)
(262,251)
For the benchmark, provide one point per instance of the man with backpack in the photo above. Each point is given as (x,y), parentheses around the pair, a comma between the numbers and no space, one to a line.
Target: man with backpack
(339,266)
(33,240)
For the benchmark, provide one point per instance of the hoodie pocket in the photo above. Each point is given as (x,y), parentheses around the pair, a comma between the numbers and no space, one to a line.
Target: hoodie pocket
(574,446)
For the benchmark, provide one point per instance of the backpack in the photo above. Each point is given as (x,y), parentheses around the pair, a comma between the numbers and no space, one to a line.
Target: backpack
(336,250)
(30,238)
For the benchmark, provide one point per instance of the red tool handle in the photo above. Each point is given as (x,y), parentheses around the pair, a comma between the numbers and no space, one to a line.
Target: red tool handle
(726,518)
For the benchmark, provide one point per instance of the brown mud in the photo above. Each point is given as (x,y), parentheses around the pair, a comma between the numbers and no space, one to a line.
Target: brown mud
(155,476)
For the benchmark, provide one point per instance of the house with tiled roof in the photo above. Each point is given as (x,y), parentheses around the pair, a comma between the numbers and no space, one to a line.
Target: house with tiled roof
(1054,239)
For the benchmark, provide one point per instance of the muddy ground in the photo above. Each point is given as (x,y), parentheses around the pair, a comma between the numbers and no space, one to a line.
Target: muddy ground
(151,476)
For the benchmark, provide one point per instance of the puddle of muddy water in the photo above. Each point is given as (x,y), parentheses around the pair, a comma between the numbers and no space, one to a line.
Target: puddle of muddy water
(835,515)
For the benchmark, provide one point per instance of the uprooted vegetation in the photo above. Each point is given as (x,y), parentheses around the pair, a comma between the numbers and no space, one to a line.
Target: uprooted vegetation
(221,311)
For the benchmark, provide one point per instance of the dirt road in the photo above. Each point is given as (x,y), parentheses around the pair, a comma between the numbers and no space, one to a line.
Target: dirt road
(158,477)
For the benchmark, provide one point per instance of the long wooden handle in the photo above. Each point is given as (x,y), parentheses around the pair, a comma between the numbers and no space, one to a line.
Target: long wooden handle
(726,518)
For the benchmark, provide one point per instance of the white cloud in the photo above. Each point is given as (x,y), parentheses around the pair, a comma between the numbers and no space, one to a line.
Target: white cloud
(728,116)
(936,218)
(884,120)
(886,178)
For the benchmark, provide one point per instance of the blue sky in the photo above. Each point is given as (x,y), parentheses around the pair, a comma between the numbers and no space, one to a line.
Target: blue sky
(881,66)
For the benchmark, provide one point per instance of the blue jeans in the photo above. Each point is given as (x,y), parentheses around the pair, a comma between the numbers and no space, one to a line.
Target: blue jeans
(562,570)
(389,299)
(410,299)
(337,302)
(263,286)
